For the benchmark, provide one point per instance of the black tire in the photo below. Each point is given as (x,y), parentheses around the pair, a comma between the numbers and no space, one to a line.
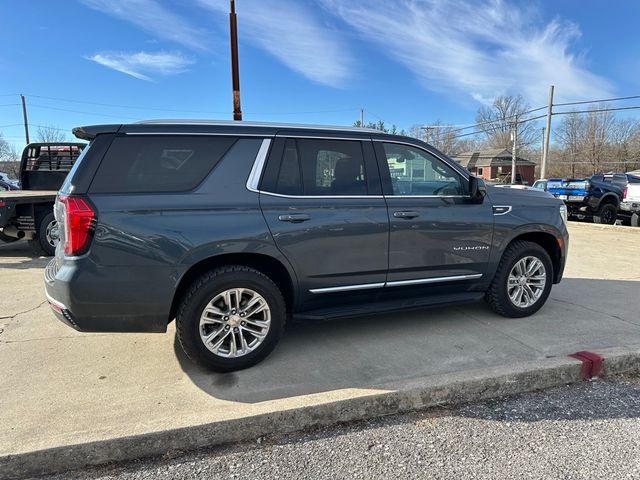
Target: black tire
(606,214)
(202,291)
(635,220)
(40,244)
(497,295)
(7,239)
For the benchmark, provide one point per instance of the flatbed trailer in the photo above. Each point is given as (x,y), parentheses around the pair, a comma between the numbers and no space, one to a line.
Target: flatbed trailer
(28,213)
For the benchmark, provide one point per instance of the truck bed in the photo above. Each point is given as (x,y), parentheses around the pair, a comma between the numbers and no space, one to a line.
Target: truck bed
(22,196)
(11,201)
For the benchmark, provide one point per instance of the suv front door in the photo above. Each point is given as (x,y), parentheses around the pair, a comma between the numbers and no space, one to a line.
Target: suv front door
(323,203)
(437,235)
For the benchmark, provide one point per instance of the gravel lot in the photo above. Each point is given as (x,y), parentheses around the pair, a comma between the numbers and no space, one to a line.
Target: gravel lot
(590,430)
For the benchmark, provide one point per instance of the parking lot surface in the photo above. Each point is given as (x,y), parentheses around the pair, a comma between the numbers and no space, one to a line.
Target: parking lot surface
(588,430)
(61,387)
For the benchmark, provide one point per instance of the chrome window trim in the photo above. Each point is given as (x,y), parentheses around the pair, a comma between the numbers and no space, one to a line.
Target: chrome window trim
(399,283)
(317,197)
(508,207)
(319,137)
(258,166)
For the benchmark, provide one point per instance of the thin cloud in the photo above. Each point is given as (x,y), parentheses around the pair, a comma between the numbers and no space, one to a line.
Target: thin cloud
(480,49)
(152,17)
(143,65)
(293,34)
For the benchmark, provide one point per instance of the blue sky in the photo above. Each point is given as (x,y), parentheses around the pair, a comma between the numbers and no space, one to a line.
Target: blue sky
(308,61)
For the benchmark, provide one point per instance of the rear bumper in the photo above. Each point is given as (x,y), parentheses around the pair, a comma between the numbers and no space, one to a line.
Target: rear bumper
(91,309)
(630,206)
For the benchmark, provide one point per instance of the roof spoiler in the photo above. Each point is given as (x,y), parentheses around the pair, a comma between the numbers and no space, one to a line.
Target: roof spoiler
(92,131)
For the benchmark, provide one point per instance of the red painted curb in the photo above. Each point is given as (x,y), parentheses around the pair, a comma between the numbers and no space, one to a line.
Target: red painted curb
(591,364)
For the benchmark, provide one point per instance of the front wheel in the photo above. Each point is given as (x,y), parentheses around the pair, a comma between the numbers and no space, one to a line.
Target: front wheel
(606,214)
(230,318)
(522,282)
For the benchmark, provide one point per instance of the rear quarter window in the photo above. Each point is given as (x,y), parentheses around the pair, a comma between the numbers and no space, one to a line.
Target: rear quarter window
(158,163)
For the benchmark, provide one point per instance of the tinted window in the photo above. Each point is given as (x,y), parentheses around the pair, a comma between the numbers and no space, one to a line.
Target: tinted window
(417,172)
(322,167)
(137,164)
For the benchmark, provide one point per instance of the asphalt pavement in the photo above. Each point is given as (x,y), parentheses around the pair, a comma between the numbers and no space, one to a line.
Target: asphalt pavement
(580,431)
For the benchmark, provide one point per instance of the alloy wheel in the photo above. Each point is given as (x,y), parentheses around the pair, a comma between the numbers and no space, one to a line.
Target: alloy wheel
(526,282)
(235,322)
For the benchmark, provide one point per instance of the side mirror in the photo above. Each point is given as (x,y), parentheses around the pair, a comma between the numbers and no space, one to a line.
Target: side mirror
(477,189)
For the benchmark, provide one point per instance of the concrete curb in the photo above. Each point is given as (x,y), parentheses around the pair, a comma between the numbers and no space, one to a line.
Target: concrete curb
(415,394)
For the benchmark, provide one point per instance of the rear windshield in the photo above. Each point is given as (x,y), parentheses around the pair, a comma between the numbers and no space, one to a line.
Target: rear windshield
(150,163)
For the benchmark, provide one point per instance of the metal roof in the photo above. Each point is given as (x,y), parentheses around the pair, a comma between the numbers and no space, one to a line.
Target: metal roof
(235,123)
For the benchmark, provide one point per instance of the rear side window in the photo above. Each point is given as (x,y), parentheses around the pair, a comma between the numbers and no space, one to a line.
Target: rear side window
(163,163)
(321,167)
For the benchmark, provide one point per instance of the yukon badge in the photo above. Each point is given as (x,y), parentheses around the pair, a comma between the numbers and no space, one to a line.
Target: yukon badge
(466,248)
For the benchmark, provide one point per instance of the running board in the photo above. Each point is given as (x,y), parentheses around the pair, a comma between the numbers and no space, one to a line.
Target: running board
(386,306)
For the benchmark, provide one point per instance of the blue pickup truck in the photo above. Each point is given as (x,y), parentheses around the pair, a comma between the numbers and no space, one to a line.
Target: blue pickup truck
(592,197)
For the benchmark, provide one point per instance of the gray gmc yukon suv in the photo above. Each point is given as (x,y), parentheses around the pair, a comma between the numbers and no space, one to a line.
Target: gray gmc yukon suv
(233,228)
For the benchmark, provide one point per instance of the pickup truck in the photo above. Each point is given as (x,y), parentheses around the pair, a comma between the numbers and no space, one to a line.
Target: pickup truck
(588,197)
(631,203)
(28,213)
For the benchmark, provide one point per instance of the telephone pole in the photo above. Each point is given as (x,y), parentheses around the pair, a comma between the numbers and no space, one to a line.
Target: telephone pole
(24,117)
(235,73)
(362,117)
(545,148)
(514,156)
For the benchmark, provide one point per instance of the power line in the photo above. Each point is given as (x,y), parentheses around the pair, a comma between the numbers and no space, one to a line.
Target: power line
(598,110)
(132,107)
(9,105)
(597,101)
(81,112)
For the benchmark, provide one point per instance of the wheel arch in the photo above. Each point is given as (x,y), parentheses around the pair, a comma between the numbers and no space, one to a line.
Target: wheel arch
(549,242)
(266,264)
(609,198)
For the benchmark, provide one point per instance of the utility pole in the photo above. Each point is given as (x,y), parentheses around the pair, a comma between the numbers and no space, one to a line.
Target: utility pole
(545,148)
(362,117)
(514,137)
(24,116)
(235,73)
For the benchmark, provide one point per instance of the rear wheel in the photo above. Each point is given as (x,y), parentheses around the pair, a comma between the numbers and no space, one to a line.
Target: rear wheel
(522,282)
(230,318)
(47,236)
(635,220)
(606,214)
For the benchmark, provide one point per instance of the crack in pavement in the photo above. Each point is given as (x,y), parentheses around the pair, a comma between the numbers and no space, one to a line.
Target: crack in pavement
(595,311)
(11,317)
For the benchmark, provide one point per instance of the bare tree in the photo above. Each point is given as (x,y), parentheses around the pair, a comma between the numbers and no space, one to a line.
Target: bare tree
(9,158)
(570,135)
(444,137)
(497,121)
(49,134)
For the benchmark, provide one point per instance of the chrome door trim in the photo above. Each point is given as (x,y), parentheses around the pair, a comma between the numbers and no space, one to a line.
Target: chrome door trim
(420,281)
(399,283)
(346,288)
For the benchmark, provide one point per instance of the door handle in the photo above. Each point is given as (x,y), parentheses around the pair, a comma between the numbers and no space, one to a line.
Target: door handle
(294,217)
(406,214)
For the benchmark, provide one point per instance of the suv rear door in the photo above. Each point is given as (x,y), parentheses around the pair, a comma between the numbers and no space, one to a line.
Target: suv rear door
(437,235)
(322,201)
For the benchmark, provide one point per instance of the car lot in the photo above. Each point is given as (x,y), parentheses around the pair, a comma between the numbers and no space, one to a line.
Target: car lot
(60,387)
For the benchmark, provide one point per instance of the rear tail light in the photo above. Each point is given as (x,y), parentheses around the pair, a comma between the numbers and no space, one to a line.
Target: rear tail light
(79,224)
(624,195)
